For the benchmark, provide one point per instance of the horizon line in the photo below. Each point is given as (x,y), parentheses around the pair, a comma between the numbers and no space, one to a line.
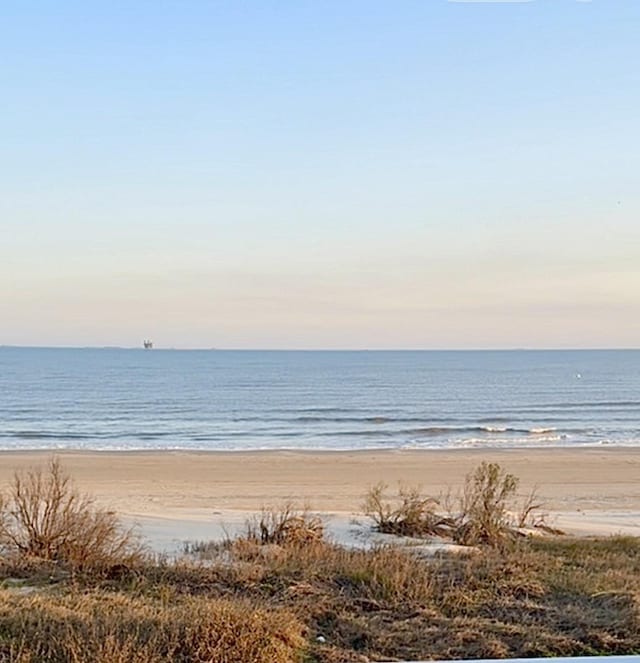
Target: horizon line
(312,349)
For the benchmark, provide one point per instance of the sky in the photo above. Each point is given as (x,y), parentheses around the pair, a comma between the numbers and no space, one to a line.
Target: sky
(306,174)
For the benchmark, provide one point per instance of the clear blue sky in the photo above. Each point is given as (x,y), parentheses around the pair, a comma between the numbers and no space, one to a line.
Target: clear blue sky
(339,174)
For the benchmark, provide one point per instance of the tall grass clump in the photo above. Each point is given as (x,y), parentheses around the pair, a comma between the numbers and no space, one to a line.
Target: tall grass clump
(44,516)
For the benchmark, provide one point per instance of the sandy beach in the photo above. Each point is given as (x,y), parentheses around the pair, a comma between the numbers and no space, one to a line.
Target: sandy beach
(178,495)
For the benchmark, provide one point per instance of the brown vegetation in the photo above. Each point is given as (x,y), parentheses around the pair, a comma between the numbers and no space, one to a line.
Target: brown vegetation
(483,516)
(106,627)
(535,598)
(286,525)
(410,514)
(43,516)
(302,599)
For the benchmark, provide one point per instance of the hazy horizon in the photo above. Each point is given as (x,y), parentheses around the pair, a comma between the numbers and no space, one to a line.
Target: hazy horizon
(338,176)
(310,349)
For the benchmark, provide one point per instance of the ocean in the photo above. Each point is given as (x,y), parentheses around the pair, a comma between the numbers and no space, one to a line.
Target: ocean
(129,399)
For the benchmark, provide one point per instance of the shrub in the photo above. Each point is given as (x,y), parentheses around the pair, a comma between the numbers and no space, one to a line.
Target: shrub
(287,525)
(481,518)
(412,514)
(483,515)
(44,516)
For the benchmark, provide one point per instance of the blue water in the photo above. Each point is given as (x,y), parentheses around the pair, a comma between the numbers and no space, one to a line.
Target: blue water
(167,399)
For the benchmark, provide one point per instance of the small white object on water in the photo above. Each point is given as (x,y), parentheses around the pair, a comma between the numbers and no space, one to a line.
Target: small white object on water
(578,376)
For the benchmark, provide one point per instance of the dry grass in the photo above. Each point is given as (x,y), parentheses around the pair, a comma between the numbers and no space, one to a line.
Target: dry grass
(100,627)
(43,516)
(535,598)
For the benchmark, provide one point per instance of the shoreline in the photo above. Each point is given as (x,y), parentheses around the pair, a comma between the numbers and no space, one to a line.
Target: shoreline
(577,448)
(177,495)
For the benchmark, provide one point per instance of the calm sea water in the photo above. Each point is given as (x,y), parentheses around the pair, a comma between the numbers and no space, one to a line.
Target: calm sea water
(133,399)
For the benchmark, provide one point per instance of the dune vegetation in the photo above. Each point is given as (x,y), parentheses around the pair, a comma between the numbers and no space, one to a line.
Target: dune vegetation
(282,593)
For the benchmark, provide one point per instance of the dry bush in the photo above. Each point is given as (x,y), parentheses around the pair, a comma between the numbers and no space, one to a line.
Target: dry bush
(410,514)
(108,628)
(286,525)
(205,549)
(529,514)
(484,518)
(44,516)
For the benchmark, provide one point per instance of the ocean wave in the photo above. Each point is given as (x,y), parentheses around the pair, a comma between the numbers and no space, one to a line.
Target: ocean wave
(216,434)
(344,420)
(93,435)
(475,442)
(368,419)
(439,431)
(497,430)
(317,443)
(574,405)
(47,435)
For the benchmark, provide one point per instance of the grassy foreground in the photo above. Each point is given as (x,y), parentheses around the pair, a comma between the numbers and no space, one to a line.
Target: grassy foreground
(283,594)
(538,598)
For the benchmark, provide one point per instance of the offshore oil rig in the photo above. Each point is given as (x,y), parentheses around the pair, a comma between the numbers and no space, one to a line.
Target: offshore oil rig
(147,344)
